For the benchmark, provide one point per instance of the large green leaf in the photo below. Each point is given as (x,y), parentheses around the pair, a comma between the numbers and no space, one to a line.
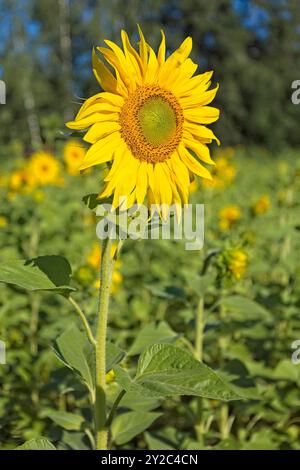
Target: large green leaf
(286,370)
(77,353)
(152,334)
(244,308)
(166,370)
(136,402)
(155,443)
(45,273)
(66,420)
(128,425)
(37,444)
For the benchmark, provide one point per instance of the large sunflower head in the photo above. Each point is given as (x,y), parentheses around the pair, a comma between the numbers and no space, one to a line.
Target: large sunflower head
(149,123)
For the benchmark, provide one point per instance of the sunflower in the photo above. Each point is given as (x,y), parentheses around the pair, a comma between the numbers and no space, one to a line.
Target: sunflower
(149,123)
(229,216)
(44,168)
(224,172)
(21,181)
(237,263)
(262,205)
(73,156)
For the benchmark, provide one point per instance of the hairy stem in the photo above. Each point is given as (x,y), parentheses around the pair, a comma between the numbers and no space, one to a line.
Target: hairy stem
(100,403)
(199,423)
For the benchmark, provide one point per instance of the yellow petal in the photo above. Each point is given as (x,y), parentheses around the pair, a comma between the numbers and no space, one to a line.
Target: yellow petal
(100,130)
(152,67)
(203,115)
(163,184)
(126,185)
(84,123)
(142,183)
(105,78)
(143,49)
(181,175)
(117,162)
(175,60)
(192,164)
(188,84)
(120,68)
(117,174)
(104,108)
(161,56)
(115,100)
(201,150)
(87,103)
(200,131)
(197,100)
(100,152)
(132,57)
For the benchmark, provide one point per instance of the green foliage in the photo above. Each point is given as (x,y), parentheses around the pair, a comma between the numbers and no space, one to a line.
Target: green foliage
(37,444)
(246,385)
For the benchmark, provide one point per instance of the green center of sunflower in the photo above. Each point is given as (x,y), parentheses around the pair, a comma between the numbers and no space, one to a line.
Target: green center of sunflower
(158,121)
(151,121)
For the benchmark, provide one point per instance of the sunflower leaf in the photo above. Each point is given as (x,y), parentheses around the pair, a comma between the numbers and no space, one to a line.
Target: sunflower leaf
(44,273)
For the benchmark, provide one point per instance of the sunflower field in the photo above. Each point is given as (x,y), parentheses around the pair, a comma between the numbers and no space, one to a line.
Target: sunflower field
(248,294)
(142,343)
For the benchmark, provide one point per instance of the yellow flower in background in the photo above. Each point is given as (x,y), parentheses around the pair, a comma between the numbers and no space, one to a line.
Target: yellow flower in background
(73,156)
(94,256)
(224,172)
(193,186)
(151,116)
(85,275)
(229,216)
(110,376)
(94,259)
(3,180)
(262,205)
(21,181)
(44,168)
(3,221)
(237,263)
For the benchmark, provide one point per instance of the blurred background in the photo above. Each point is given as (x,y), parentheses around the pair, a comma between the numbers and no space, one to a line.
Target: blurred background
(250,289)
(252,45)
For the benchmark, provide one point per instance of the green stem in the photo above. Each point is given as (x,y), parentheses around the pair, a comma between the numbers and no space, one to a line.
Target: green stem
(200,323)
(100,403)
(114,408)
(199,330)
(84,320)
(33,328)
(224,421)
